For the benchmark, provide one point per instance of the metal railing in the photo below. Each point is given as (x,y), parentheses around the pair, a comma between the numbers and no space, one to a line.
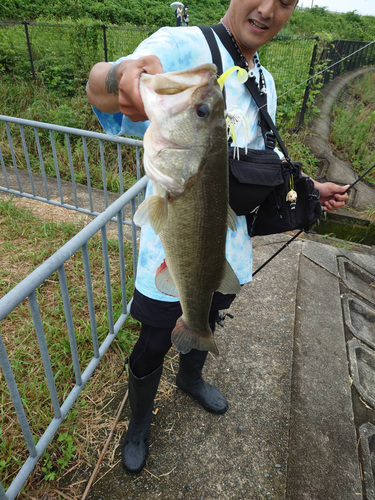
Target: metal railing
(30,153)
(30,158)
(27,289)
(62,54)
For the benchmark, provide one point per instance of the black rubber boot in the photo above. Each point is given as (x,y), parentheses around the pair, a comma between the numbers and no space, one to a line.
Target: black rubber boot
(142,392)
(189,379)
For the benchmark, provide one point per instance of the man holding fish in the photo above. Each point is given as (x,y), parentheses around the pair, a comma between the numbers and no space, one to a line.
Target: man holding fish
(194,251)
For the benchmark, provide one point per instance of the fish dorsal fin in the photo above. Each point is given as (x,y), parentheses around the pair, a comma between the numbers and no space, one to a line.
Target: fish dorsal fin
(164,281)
(229,283)
(153,210)
(232,219)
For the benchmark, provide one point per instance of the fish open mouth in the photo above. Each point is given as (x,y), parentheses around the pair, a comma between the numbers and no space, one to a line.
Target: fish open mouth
(179,81)
(171,91)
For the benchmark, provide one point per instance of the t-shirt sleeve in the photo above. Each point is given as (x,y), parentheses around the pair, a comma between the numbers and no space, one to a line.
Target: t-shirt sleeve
(164,45)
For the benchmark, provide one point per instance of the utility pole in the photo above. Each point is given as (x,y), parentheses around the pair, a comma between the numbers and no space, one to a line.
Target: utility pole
(312,3)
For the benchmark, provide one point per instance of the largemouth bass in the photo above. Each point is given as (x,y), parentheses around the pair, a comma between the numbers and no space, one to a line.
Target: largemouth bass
(185,155)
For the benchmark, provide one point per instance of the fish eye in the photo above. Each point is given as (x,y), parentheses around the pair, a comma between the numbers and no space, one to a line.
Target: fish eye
(203,110)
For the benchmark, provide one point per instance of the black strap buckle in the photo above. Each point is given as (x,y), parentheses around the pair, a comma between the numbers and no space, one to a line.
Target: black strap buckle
(270,140)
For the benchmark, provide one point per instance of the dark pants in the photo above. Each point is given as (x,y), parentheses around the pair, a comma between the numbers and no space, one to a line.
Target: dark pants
(158,319)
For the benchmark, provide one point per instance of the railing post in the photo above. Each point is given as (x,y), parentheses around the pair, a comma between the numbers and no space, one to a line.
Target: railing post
(105,42)
(328,58)
(308,86)
(25,23)
(372,55)
(336,69)
(358,55)
(366,57)
(351,59)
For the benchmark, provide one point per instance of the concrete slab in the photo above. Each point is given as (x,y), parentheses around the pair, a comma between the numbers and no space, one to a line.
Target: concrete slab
(362,369)
(365,261)
(356,278)
(360,319)
(323,255)
(367,448)
(340,172)
(326,255)
(323,459)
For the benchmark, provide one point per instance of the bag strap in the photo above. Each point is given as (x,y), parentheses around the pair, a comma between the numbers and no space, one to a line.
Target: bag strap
(259,98)
(216,59)
(215,52)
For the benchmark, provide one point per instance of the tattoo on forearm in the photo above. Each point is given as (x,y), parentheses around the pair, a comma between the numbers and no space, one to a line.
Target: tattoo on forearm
(111,81)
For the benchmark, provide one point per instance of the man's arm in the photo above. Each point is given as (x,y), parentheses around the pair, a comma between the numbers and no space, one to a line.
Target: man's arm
(115,88)
(102,90)
(331,196)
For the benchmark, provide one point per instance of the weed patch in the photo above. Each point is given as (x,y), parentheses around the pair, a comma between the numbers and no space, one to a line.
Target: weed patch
(353,125)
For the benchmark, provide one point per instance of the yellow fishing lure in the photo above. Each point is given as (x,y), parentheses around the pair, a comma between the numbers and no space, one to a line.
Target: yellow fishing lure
(235,118)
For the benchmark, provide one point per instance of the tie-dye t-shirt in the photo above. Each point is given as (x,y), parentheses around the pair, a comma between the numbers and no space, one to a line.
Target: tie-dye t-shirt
(179,49)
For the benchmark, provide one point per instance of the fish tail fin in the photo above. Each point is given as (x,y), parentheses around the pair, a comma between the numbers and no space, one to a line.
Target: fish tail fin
(186,338)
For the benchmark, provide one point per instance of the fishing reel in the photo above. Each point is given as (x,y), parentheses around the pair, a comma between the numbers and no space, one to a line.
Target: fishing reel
(221,317)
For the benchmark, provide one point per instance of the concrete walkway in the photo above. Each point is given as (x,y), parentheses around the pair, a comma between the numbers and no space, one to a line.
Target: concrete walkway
(290,432)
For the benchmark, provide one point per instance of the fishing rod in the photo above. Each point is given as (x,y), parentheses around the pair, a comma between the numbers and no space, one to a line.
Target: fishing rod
(359,178)
(303,230)
(278,251)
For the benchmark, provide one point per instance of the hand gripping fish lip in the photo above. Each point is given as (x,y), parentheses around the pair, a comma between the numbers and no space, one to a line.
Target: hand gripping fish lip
(172,92)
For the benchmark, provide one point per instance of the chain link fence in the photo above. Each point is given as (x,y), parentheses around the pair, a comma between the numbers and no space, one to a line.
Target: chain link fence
(61,56)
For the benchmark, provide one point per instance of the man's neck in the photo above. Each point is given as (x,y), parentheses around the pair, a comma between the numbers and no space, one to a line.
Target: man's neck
(247,52)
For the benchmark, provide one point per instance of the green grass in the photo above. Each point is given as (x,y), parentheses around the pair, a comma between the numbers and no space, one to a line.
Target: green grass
(353,126)
(370,213)
(35,240)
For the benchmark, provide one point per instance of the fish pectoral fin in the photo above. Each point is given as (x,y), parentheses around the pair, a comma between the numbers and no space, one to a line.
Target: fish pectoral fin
(141,215)
(153,210)
(229,283)
(158,212)
(232,219)
(186,338)
(164,281)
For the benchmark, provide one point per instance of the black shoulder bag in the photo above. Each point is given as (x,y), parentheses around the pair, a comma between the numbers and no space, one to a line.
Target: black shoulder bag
(273,194)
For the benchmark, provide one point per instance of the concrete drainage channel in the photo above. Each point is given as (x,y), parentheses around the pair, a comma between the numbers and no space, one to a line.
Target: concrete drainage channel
(346,226)
(358,301)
